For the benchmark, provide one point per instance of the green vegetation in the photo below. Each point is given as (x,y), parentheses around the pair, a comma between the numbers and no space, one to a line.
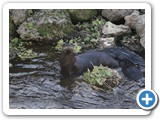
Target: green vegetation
(102,76)
(59,45)
(29,12)
(77,48)
(98,75)
(29,26)
(23,52)
(27,54)
(93,30)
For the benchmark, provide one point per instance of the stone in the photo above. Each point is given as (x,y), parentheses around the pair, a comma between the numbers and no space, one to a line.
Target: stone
(110,29)
(46,25)
(19,15)
(116,14)
(137,22)
(13,53)
(12,28)
(106,42)
(80,15)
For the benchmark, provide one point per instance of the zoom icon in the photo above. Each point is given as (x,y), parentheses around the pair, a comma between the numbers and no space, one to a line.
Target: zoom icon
(147,99)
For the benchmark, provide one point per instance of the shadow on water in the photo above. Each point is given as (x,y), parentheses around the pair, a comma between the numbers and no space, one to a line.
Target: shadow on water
(38,84)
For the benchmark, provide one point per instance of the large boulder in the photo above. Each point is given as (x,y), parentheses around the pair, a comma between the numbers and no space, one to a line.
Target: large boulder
(46,25)
(19,15)
(110,29)
(80,15)
(137,22)
(116,14)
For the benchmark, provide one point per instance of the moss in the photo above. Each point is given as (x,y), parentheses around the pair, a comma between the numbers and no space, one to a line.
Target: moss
(82,14)
(12,27)
(30,26)
(53,30)
(29,12)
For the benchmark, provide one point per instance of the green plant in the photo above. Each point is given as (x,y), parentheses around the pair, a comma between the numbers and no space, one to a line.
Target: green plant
(23,52)
(59,45)
(27,54)
(94,29)
(77,48)
(14,43)
(29,12)
(29,25)
(102,77)
(98,75)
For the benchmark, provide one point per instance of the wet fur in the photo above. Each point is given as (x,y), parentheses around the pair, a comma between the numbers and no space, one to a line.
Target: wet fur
(75,65)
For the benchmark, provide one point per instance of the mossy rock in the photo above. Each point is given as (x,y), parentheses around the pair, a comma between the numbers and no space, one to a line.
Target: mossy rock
(12,28)
(46,25)
(19,15)
(80,15)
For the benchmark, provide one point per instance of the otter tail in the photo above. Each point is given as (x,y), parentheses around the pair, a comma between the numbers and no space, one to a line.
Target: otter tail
(133,66)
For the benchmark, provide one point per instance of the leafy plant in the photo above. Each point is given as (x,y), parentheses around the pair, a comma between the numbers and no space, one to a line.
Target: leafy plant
(102,77)
(23,52)
(98,75)
(59,45)
(30,25)
(94,29)
(76,48)
(27,54)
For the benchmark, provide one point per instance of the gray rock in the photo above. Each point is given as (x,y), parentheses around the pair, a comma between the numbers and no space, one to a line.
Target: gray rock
(12,53)
(12,28)
(132,42)
(19,15)
(106,42)
(137,22)
(111,29)
(116,14)
(82,14)
(46,25)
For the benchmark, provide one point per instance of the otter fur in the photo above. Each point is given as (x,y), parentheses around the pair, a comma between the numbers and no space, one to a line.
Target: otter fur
(72,64)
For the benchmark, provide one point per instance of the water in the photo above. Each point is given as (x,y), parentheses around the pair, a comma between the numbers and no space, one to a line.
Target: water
(37,84)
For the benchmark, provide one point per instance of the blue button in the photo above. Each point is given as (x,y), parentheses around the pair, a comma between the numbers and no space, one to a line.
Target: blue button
(147,99)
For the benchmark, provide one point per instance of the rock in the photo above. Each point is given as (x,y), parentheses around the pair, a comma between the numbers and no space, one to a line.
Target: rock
(111,29)
(106,42)
(116,14)
(12,28)
(12,53)
(46,25)
(19,15)
(137,22)
(142,11)
(82,14)
(132,42)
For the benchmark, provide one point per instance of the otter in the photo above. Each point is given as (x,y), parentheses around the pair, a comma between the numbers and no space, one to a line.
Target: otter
(73,65)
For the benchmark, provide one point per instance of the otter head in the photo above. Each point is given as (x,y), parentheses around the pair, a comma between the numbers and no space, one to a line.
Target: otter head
(67,59)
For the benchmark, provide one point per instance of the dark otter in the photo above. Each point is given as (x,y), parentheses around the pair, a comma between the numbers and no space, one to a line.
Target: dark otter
(132,65)
(75,65)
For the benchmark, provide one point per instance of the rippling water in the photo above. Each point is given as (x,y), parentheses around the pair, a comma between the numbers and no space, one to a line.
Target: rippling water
(38,84)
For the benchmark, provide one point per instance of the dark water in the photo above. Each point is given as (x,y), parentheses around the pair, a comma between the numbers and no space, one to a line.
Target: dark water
(38,84)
